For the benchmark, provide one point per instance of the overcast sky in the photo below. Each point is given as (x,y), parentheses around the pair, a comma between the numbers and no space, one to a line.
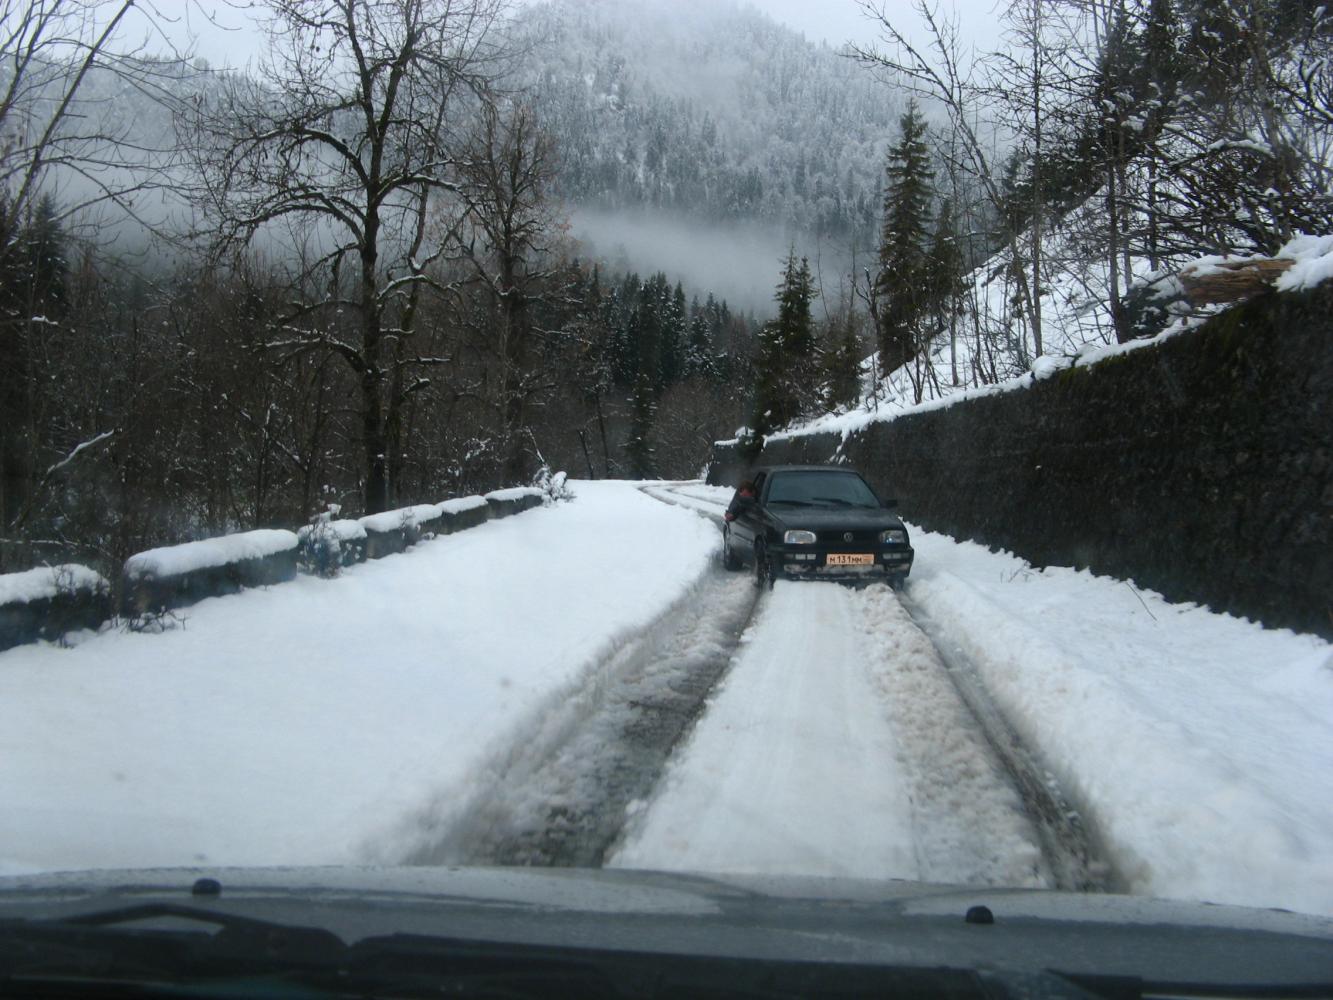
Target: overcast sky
(831,21)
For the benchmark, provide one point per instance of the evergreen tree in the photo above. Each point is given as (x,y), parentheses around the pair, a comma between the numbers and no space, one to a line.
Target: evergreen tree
(841,364)
(785,372)
(671,350)
(639,449)
(699,360)
(902,251)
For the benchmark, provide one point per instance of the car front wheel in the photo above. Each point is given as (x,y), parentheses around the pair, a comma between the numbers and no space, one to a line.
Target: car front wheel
(763,571)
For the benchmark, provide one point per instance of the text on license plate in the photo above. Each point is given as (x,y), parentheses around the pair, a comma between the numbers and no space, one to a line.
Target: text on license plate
(849,559)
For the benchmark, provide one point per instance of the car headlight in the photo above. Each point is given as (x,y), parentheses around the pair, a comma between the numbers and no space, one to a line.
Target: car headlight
(894,536)
(799,537)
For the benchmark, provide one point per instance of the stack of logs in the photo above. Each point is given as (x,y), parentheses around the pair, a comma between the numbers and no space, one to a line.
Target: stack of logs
(1217,283)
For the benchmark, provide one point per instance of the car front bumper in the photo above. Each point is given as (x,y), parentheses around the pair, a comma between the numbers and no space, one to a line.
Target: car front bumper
(812,561)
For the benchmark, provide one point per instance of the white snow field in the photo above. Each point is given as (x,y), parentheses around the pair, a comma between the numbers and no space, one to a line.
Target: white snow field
(316,721)
(1199,746)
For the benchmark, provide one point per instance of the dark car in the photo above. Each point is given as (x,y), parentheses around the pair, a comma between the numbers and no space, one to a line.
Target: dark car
(814,521)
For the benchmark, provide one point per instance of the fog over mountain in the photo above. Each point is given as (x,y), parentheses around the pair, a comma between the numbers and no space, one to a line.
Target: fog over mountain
(706,139)
(699,137)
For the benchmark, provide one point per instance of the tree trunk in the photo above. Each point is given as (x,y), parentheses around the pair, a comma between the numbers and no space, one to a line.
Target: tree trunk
(374,436)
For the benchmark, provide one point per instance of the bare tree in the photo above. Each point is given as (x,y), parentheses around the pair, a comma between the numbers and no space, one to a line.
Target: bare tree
(352,128)
(506,242)
(59,157)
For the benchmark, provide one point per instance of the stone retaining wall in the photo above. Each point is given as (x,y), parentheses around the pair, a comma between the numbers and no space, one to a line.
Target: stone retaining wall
(1198,467)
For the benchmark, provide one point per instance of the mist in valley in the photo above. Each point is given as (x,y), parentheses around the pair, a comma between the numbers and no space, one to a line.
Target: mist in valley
(740,262)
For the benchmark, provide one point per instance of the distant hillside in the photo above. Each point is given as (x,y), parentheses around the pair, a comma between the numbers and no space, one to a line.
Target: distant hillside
(711,110)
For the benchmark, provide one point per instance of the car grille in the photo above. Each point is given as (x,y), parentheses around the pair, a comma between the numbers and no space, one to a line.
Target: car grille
(858,537)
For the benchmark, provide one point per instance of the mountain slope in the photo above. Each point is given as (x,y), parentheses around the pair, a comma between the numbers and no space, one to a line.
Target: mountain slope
(711,110)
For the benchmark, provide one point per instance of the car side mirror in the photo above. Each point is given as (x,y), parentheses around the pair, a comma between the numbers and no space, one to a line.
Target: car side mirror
(889,504)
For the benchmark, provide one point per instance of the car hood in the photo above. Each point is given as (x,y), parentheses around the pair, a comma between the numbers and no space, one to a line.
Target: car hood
(821,518)
(811,919)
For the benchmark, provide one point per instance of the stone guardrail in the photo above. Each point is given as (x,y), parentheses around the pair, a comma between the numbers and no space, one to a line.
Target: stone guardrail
(47,602)
(177,576)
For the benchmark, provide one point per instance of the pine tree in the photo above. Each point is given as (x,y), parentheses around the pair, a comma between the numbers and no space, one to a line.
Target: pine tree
(785,372)
(903,239)
(643,411)
(841,364)
(699,359)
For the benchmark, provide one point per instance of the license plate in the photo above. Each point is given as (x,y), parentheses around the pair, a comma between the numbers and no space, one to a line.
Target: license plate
(849,559)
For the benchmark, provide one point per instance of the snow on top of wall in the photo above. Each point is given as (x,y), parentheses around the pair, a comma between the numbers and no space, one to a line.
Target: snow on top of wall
(514,493)
(403,517)
(344,530)
(392,520)
(173,560)
(46,582)
(461,504)
(419,512)
(1314,263)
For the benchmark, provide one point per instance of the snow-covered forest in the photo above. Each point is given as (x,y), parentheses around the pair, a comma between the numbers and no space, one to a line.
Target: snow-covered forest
(352,274)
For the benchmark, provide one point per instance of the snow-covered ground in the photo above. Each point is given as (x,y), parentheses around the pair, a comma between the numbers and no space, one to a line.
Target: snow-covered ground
(317,721)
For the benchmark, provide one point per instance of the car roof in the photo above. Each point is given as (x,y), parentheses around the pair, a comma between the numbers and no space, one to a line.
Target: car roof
(806,468)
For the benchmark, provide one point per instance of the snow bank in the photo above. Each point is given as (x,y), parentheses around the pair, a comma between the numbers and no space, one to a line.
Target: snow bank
(846,424)
(175,560)
(1198,744)
(1077,326)
(45,582)
(333,721)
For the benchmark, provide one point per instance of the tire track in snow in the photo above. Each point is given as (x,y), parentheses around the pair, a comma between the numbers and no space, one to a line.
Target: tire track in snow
(1075,861)
(564,803)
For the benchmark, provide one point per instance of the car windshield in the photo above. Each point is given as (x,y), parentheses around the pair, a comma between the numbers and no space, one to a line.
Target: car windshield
(840,439)
(820,488)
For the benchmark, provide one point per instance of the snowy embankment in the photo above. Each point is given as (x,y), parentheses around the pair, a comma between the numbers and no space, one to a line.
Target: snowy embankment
(315,722)
(1078,331)
(1198,744)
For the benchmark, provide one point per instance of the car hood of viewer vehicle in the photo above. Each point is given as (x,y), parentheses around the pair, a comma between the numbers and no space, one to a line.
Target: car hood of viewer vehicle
(900,924)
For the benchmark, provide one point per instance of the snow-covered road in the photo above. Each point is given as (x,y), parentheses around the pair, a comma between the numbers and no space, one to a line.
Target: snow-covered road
(837,746)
